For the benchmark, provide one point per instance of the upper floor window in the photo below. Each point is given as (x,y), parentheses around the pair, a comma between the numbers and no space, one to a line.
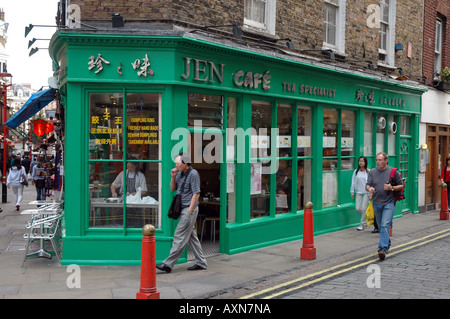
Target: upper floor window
(438,47)
(334,25)
(387,32)
(260,15)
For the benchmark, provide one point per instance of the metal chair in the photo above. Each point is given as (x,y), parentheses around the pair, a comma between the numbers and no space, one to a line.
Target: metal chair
(44,227)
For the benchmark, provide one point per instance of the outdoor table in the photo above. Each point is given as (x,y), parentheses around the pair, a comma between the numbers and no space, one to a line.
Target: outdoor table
(44,211)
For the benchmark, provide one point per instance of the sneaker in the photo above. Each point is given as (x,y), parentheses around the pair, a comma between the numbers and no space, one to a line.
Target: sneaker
(374,231)
(382,254)
(360,228)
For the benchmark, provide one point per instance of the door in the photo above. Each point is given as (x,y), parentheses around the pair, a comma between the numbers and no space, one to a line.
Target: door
(431,193)
(404,171)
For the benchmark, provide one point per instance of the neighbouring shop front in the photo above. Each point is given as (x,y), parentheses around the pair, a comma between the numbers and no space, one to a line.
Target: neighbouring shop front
(266,134)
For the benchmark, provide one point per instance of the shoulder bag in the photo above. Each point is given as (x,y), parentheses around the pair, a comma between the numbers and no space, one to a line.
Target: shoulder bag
(175,207)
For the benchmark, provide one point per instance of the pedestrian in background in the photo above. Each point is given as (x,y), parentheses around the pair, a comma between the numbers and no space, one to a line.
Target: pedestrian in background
(445,177)
(13,180)
(38,179)
(185,232)
(378,183)
(358,190)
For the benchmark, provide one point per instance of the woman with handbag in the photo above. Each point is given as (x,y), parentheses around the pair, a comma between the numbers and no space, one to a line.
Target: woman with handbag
(17,174)
(358,190)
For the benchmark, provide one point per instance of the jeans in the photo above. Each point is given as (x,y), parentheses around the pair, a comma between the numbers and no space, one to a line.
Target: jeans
(40,193)
(384,215)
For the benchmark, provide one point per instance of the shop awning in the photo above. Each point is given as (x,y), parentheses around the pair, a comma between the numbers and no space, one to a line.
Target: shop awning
(34,104)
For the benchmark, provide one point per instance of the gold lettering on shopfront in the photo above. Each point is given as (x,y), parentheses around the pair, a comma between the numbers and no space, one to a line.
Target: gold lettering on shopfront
(203,70)
(309,89)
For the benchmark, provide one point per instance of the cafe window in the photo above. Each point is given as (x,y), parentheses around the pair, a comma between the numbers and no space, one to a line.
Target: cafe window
(391,135)
(304,132)
(338,125)
(260,150)
(283,195)
(381,126)
(347,140)
(368,134)
(106,126)
(205,111)
(124,184)
(231,160)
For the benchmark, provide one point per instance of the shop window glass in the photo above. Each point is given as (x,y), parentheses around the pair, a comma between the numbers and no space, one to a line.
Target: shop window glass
(261,129)
(304,130)
(330,127)
(133,184)
(368,134)
(143,126)
(231,166)
(107,194)
(380,132)
(284,187)
(142,200)
(205,110)
(405,126)
(284,125)
(105,211)
(260,190)
(391,135)
(347,139)
(303,183)
(105,126)
(329,189)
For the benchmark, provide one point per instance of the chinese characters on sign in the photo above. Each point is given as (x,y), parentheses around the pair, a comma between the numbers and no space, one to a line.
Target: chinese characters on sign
(383,100)
(143,67)
(106,130)
(367,97)
(145,64)
(97,63)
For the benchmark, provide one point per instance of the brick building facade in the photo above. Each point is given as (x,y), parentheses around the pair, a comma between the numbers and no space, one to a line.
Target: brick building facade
(300,21)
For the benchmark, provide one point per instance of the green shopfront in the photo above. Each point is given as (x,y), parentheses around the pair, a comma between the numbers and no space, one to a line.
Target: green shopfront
(267,135)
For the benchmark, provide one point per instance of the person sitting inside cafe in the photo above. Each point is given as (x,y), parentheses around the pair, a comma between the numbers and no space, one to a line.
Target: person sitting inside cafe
(134,179)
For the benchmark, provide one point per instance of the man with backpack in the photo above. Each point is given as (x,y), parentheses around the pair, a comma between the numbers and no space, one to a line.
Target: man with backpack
(383,189)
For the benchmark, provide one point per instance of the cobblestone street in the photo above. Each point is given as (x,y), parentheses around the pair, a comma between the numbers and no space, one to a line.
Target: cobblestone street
(422,272)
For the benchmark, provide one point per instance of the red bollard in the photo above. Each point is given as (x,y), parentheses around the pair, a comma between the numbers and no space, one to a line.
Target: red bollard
(308,251)
(148,265)
(444,202)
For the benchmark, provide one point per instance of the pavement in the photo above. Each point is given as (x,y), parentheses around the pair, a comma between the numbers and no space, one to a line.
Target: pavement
(227,276)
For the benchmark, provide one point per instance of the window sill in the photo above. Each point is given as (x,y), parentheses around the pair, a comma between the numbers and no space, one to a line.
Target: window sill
(259,32)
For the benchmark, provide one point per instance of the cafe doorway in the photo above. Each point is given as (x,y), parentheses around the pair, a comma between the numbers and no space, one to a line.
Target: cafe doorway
(208,220)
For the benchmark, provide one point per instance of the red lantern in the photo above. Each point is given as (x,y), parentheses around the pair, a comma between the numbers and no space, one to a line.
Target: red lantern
(39,127)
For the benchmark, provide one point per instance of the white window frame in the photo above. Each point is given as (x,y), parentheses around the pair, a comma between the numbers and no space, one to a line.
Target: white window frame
(438,48)
(270,20)
(390,36)
(339,47)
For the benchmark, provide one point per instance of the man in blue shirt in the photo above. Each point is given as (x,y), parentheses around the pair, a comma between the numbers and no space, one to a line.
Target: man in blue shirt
(185,232)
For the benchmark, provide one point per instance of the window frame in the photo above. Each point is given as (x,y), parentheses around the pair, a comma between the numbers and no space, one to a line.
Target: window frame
(90,161)
(339,46)
(387,52)
(269,24)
